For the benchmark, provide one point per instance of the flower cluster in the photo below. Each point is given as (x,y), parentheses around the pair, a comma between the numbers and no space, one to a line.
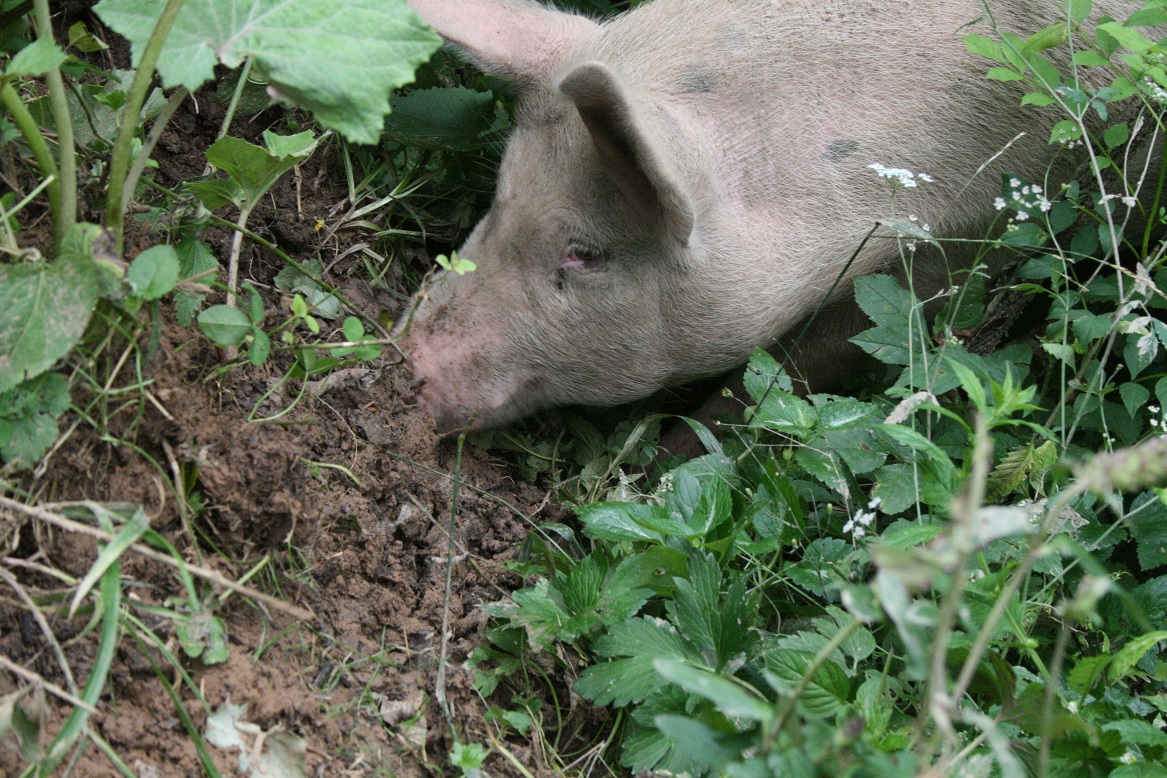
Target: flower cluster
(859,523)
(1026,199)
(899,177)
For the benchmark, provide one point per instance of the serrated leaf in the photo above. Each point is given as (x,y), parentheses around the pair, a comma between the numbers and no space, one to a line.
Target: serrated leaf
(829,688)
(1019,466)
(36,59)
(1148,528)
(1086,672)
(46,309)
(892,309)
(1090,59)
(696,740)
(1126,657)
(730,697)
(340,62)
(618,521)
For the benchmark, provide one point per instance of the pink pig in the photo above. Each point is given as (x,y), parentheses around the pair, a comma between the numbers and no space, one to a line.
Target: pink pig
(686,182)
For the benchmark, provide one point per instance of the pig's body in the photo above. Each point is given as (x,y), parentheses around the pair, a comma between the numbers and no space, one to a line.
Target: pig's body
(685,183)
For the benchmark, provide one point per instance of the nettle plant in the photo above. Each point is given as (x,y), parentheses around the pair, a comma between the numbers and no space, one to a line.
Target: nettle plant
(963,574)
(99,119)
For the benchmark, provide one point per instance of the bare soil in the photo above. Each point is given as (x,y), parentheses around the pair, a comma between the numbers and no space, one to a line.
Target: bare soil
(348,497)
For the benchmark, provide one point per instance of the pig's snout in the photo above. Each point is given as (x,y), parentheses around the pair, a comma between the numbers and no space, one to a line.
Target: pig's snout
(459,386)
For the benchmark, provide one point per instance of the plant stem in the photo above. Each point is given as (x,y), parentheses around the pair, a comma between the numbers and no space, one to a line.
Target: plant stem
(147,149)
(119,161)
(66,213)
(36,144)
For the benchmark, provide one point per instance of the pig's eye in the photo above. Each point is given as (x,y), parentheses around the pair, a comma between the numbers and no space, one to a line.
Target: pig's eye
(581,255)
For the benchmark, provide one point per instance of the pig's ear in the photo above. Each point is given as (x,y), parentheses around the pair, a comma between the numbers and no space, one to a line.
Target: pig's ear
(513,40)
(632,153)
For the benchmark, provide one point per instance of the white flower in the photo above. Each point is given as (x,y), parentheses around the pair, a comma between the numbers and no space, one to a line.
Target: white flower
(899,177)
(999,203)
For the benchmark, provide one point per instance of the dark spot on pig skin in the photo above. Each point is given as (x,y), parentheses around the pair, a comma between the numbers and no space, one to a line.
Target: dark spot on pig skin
(696,78)
(839,150)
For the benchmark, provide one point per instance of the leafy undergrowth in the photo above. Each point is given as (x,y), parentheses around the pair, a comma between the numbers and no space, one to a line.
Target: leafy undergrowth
(231,547)
(960,572)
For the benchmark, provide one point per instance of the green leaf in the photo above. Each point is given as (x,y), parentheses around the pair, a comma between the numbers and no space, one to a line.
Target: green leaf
(36,59)
(1080,9)
(1065,131)
(1019,466)
(1148,528)
(1129,39)
(1090,59)
(110,553)
(1116,135)
(1137,731)
(340,62)
(225,326)
(982,46)
(696,740)
(1126,657)
(1037,98)
(829,690)
(618,521)
(1054,35)
(444,118)
(253,169)
(1003,74)
(730,697)
(895,311)
(194,258)
(46,309)
(1086,672)
(154,272)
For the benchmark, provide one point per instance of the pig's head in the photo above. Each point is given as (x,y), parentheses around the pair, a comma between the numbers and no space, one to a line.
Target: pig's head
(581,259)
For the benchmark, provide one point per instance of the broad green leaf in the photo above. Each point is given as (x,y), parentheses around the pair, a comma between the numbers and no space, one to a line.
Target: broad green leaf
(154,272)
(36,59)
(1086,672)
(1003,74)
(1090,59)
(254,169)
(730,697)
(1080,9)
(446,118)
(1129,39)
(617,521)
(225,326)
(696,740)
(764,375)
(979,44)
(46,309)
(338,60)
(194,258)
(829,689)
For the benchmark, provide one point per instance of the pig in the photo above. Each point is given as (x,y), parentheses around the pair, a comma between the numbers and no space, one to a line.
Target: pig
(688,180)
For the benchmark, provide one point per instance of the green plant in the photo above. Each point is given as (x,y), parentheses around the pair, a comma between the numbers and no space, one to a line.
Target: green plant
(960,572)
(54,300)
